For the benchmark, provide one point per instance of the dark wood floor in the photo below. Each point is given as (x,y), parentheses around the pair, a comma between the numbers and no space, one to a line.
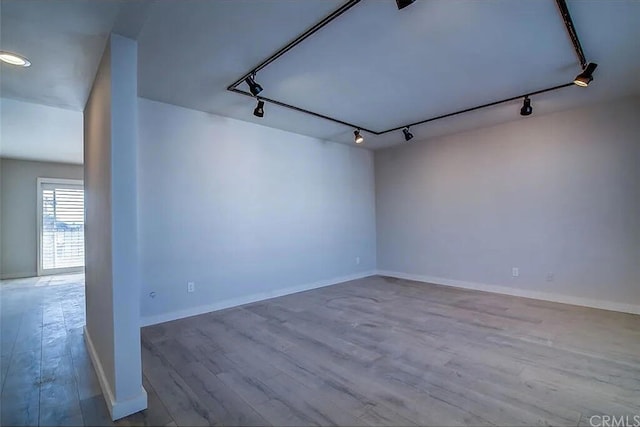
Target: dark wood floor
(375,351)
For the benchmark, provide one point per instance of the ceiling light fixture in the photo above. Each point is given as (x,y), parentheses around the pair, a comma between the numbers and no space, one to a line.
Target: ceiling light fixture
(403,3)
(359,139)
(249,77)
(254,87)
(407,135)
(14,59)
(526,109)
(584,78)
(259,110)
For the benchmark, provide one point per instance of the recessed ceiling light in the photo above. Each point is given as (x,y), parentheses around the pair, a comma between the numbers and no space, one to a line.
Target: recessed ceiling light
(14,59)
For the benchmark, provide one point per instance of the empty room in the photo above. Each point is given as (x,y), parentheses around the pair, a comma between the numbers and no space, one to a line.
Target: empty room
(320,212)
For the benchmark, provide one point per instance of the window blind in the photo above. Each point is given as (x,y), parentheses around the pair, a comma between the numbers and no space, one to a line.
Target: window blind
(62,226)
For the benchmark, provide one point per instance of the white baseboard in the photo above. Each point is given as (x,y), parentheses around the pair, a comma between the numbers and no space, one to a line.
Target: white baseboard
(18,275)
(545,296)
(117,409)
(234,302)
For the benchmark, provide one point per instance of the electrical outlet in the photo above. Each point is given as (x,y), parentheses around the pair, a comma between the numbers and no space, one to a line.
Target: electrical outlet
(191,287)
(515,272)
(357,260)
(550,277)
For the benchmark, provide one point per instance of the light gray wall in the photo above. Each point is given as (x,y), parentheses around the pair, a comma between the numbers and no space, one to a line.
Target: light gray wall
(112,278)
(97,231)
(245,210)
(551,194)
(124,217)
(18,191)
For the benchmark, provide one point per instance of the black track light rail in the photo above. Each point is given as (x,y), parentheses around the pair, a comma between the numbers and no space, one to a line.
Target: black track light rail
(295,42)
(302,110)
(421,122)
(562,7)
(573,35)
(468,110)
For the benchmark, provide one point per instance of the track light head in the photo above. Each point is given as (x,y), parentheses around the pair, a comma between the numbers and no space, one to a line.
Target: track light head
(259,110)
(254,87)
(358,139)
(403,3)
(407,135)
(526,109)
(584,78)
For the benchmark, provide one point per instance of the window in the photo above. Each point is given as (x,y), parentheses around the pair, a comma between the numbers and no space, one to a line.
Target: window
(60,225)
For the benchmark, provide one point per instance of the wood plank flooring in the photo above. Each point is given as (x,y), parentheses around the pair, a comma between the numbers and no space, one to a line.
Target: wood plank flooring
(375,351)
(46,374)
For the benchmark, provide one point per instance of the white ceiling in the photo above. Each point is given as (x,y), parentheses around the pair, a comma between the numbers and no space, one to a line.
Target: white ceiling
(375,66)
(31,131)
(64,41)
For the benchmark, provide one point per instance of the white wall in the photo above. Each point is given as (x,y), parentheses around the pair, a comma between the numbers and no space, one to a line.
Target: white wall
(97,232)
(245,211)
(551,194)
(112,277)
(39,132)
(18,208)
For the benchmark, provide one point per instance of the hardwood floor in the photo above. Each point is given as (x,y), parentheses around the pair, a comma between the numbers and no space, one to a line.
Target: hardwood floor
(384,351)
(46,373)
(375,351)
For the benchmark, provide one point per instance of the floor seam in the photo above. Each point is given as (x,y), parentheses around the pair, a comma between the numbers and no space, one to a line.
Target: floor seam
(41,360)
(11,355)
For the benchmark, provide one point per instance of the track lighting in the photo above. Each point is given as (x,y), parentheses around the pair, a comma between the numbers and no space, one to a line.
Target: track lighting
(259,110)
(247,80)
(584,78)
(407,135)
(526,109)
(403,3)
(254,87)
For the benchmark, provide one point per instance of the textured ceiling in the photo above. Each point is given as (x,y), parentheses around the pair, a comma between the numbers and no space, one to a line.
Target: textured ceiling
(374,65)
